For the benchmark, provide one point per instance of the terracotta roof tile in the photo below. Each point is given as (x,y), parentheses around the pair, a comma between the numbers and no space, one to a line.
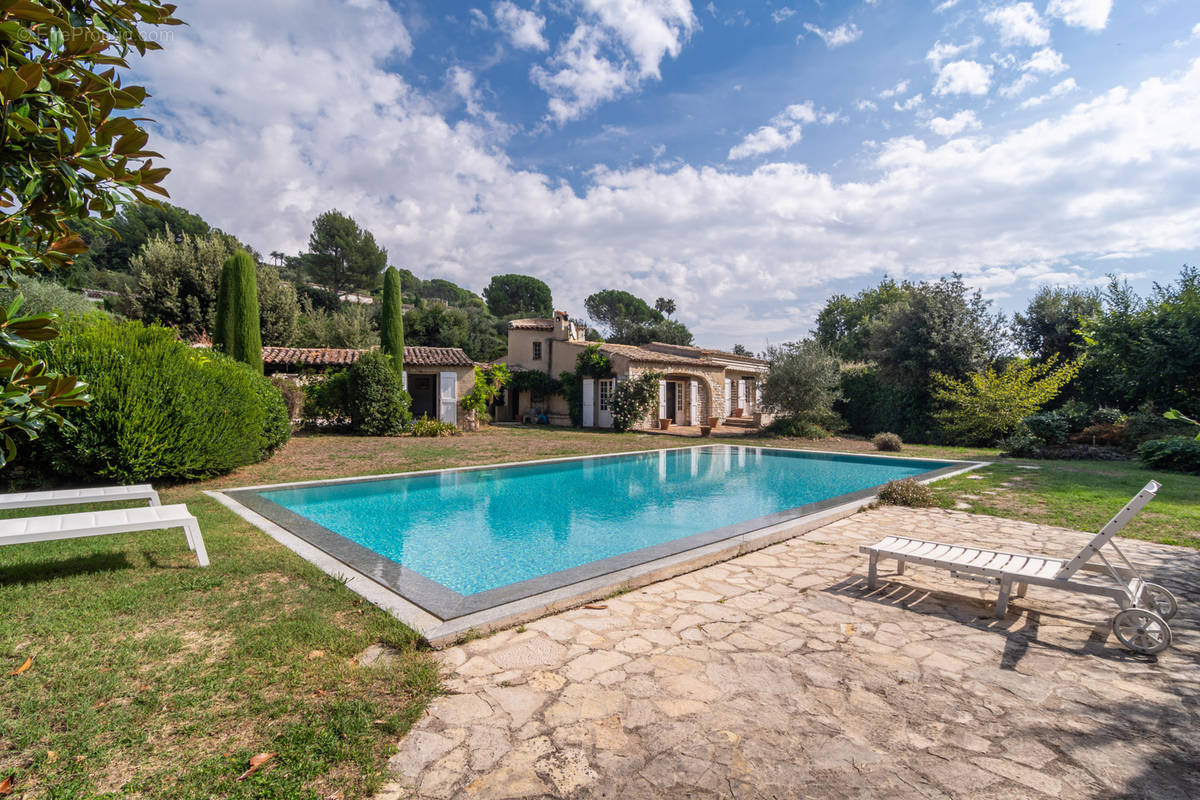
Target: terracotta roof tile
(339,357)
(532,324)
(634,353)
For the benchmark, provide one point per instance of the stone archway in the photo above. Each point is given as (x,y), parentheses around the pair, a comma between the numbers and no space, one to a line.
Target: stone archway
(705,396)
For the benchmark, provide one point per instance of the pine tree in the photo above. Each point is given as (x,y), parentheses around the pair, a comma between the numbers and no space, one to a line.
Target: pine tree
(391,319)
(247,335)
(222,334)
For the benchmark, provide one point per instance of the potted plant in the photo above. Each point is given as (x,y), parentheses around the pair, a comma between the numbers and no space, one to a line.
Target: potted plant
(712,421)
(737,412)
(664,423)
(706,430)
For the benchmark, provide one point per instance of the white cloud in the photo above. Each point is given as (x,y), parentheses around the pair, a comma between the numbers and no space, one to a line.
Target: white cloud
(946,5)
(941,53)
(836,37)
(1019,24)
(524,28)
(1196,30)
(780,14)
(963,120)
(1090,14)
(447,201)
(784,130)
(865,105)
(1045,61)
(1059,89)
(963,77)
(908,105)
(615,46)
(899,88)
(1018,86)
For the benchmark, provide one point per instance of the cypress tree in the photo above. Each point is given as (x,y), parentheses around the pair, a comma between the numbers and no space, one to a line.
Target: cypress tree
(222,334)
(391,319)
(246,330)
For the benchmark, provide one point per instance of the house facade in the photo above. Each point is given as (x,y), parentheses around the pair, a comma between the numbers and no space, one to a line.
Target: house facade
(698,384)
(435,377)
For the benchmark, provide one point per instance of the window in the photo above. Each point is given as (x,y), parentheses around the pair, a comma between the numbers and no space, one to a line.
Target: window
(606,390)
(680,390)
(537,351)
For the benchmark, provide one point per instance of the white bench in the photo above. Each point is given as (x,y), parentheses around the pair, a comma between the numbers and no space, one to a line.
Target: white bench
(66,497)
(102,523)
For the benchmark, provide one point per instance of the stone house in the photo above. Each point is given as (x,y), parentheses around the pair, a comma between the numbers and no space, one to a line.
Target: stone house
(697,384)
(436,377)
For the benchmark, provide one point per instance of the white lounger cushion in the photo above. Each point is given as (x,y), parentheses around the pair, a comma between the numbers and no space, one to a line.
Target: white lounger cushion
(992,563)
(94,494)
(101,523)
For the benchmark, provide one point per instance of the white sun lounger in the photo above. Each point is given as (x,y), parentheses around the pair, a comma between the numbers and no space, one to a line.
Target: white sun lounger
(102,523)
(1141,625)
(92,494)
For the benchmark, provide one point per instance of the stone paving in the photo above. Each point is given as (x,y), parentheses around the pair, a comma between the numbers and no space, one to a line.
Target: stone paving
(780,675)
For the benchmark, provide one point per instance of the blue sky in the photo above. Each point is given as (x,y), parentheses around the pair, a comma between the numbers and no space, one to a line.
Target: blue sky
(745,158)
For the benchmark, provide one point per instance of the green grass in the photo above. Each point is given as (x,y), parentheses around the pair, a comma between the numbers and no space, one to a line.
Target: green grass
(154,678)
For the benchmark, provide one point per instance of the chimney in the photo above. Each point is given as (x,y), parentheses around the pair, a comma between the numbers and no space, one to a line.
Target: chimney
(563,328)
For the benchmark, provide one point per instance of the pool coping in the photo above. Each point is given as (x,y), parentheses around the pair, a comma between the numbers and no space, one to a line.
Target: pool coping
(441,614)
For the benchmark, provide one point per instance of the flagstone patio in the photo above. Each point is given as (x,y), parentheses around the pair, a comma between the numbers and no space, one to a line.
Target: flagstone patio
(780,675)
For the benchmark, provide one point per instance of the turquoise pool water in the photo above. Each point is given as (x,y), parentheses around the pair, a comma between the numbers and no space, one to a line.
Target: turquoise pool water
(476,530)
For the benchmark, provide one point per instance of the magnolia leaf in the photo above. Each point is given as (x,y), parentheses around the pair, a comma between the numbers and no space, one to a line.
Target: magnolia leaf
(71,245)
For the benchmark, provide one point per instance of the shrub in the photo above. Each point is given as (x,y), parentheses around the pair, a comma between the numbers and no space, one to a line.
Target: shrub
(327,401)
(44,296)
(1108,435)
(989,405)
(1176,454)
(907,492)
(433,428)
(293,395)
(488,383)
(378,404)
(1022,444)
(1077,414)
(161,410)
(888,442)
(870,404)
(1106,416)
(1146,424)
(1051,427)
(796,428)
(802,381)
(633,399)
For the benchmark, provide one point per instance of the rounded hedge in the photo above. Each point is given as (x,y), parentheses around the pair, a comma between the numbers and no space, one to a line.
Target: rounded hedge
(379,406)
(888,442)
(161,410)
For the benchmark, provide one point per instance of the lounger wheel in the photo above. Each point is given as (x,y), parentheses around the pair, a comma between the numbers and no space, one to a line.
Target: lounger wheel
(1158,599)
(1141,631)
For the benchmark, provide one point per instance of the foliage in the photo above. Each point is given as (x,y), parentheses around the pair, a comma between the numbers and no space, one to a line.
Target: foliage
(572,385)
(868,403)
(378,404)
(518,295)
(1052,321)
(665,305)
(69,151)
(314,298)
(844,324)
(352,326)
(907,492)
(633,399)
(327,401)
(45,296)
(802,380)
(988,405)
(433,428)
(391,319)
(534,382)
(242,328)
(433,324)
(176,282)
(1146,424)
(741,350)
(161,410)
(796,428)
(887,442)
(449,292)
(1110,416)
(278,307)
(630,320)
(1177,454)
(1175,415)
(223,329)
(488,383)
(591,363)
(1050,427)
(1146,349)
(293,395)
(342,256)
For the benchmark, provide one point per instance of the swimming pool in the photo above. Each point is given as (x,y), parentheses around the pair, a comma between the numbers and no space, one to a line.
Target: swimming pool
(457,541)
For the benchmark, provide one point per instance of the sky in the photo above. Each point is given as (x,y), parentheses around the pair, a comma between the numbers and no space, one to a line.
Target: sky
(747,159)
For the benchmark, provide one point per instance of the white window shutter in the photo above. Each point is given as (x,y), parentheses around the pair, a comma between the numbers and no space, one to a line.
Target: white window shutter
(662,399)
(728,397)
(404,379)
(448,397)
(589,402)
(694,397)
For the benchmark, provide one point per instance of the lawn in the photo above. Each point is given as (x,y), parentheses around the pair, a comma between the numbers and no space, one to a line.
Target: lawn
(153,678)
